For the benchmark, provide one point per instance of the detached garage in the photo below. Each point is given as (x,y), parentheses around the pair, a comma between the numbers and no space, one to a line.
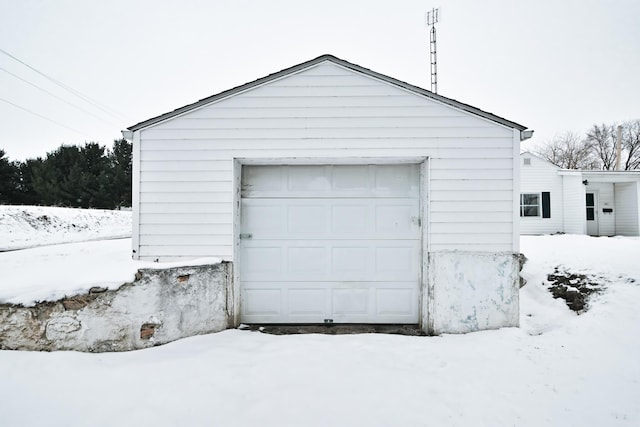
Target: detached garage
(340,195)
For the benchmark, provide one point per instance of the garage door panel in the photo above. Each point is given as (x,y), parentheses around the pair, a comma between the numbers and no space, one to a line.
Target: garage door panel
(397,179)
(308,179)
(394,301)
(265,217)
(307,302)
(262,179)
(304,302)
(350,178)
(396,260)
(337,242)
(307,218)
(397,219)
(306,260)
(350,218)
(319,181)
(335,219)
(262,260)
(326,260)
(262,302)
(351,301)
(351,260)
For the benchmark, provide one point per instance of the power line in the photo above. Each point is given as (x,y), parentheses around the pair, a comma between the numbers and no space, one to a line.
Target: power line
(56,96)
(42,117)
(77,93)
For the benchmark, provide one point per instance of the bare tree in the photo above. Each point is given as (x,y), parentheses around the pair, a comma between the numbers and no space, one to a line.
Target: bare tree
(631,144)
(569,151)
(602,140)
(597,150)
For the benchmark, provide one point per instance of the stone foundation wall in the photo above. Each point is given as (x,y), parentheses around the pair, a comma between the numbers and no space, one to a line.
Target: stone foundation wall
(160,306)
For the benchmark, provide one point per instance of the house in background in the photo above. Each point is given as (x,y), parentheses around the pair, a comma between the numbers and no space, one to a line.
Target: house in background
(340,195)
(593,202)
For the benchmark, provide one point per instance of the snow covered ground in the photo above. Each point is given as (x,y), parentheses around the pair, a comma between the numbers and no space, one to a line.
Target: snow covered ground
(69,251)
(29,226)
(559,368)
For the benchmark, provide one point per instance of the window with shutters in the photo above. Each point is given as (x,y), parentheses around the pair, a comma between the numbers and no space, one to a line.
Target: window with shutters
(535,204)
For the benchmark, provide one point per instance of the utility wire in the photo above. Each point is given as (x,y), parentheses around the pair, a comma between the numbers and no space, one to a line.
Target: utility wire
(42,117)
(77,93)
(57,97)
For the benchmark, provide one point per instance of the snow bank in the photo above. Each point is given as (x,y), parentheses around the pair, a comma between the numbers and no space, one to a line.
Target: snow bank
(29,226)
(615,260)
(52,272)
(48,270)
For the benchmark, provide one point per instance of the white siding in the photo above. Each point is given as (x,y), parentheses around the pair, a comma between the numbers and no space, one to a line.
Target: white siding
(324,112)
(537,177)
(574,204)
(627,208)
(605,199)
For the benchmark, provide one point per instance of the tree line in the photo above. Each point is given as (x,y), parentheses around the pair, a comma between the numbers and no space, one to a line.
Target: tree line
(596,150)
(89,176)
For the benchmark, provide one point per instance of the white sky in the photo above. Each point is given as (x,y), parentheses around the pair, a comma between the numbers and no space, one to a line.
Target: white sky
(550,65)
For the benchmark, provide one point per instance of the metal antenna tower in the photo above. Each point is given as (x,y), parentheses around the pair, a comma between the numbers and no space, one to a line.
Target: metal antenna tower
(432,19)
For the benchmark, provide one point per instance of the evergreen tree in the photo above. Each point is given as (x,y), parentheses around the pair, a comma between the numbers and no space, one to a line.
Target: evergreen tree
(121,166)
(9,176)
(57,179)
(27,195)
(96,178)
(89,177)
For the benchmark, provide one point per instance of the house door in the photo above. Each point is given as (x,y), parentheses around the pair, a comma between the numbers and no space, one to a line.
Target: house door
(592,213)
(330,243)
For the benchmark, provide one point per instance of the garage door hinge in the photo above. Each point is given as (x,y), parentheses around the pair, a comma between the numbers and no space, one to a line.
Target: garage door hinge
(246,236)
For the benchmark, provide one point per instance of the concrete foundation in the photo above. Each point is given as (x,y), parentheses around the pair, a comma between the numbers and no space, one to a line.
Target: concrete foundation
(470,291)
(160,306)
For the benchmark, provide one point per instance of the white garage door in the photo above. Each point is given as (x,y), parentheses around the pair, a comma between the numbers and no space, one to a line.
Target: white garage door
(336,244)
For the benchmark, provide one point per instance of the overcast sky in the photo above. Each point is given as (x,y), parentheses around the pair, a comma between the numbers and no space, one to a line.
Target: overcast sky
(550,65)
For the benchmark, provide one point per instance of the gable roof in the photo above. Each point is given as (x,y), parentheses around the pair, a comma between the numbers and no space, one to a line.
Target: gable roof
(343,63)
(530,154)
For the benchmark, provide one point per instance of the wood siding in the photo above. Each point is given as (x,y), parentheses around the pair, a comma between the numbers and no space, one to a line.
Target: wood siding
(324,112)
(538,177)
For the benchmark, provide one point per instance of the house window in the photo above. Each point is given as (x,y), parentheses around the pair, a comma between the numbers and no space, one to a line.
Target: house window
(527,161)
(530,204)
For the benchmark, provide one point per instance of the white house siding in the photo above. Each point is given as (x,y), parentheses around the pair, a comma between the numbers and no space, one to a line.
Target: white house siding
(605,199)
(574,208)
(324,112)
(626,208)
(541,176)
